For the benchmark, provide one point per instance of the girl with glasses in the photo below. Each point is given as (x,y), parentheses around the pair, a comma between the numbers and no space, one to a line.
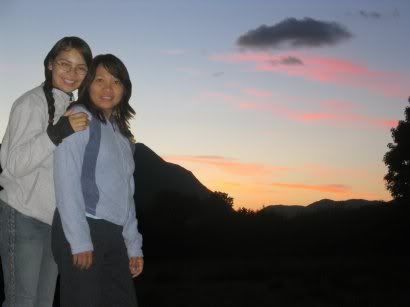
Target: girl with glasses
(37,125)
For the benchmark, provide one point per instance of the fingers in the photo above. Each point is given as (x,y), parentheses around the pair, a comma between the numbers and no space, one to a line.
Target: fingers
(88,260)
(136,266)
(75,260)
(68,112)
(83,261)
(77,115)
(78,121)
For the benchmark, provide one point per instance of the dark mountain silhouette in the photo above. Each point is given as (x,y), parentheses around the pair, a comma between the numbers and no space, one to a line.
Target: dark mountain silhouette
(153,175)
(320,206)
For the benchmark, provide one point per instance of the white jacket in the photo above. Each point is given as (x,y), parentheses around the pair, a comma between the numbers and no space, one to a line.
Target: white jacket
(26,155)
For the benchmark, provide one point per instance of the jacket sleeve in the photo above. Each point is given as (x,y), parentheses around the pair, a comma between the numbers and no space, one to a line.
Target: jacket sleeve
(132,238)
(28,142)
(68,160)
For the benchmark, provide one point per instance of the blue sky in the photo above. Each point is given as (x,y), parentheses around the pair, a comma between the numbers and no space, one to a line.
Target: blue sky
(263,133)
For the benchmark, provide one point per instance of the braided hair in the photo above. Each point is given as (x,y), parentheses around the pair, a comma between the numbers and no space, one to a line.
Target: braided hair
(63,44)
(123,111)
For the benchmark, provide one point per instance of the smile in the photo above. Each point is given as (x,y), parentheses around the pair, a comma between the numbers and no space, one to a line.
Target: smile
(69,81)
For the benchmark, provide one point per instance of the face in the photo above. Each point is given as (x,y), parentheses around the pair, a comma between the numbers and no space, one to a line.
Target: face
(68,70)
(106,91)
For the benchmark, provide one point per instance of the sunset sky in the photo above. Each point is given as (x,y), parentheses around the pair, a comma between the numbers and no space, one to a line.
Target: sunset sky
(272,102)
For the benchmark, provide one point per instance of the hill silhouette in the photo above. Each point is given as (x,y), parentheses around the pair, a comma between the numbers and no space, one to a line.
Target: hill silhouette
(345,204)
(290,211)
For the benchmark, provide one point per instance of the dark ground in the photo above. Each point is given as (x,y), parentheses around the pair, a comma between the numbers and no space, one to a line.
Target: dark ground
(208,255)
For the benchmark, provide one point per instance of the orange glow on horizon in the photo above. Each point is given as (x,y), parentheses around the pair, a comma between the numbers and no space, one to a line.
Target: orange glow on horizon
(251,184)
(328,188)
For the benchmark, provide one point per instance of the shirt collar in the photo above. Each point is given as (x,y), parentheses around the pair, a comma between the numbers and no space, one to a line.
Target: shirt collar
(66,97)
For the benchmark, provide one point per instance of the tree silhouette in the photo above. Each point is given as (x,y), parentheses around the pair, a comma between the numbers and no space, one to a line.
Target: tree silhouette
(219,203)
(397,160)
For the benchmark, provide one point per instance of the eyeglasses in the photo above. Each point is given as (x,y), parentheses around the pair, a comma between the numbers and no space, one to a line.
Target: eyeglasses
(67,67)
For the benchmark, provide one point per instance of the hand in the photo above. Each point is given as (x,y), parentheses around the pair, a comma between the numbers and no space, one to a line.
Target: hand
(83,260)
(136,266)
(78,121)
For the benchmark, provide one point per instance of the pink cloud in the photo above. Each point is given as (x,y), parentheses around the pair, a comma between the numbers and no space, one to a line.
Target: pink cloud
(327,171)
(327,188)
(328,118)
(340,119)
(229,165)
(326,70)
(330,112)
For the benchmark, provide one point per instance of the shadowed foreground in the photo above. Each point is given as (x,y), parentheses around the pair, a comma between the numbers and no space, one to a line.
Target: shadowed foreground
(332,257)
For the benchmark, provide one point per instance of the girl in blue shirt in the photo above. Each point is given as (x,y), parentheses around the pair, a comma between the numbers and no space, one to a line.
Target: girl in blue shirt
(95,241)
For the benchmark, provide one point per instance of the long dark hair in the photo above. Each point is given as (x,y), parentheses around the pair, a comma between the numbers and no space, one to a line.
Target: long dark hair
(122,112)
(63,44)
